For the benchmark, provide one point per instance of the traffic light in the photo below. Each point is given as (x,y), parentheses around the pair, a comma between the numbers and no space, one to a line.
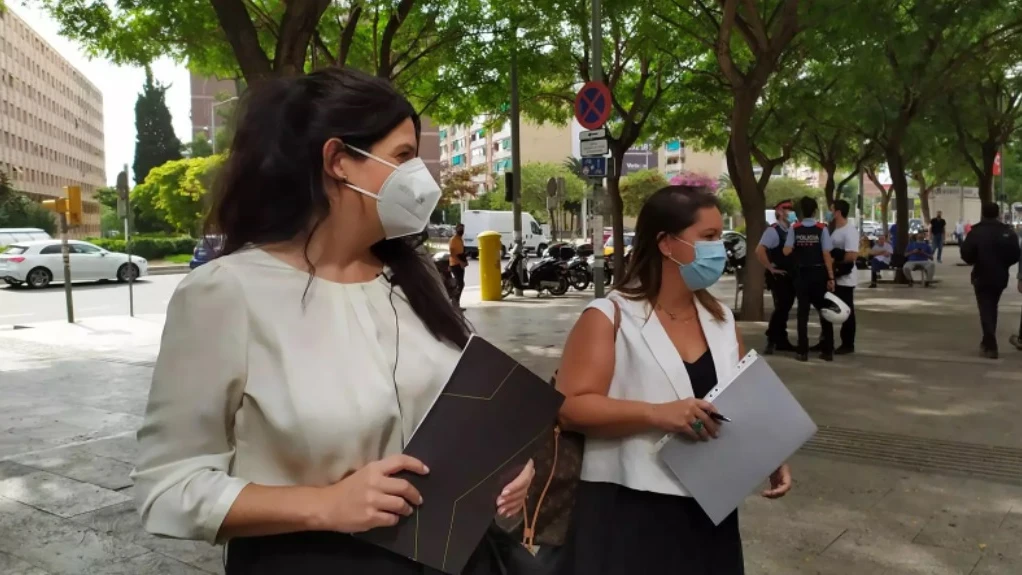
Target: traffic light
(58,206)
(74,205)
(509,187)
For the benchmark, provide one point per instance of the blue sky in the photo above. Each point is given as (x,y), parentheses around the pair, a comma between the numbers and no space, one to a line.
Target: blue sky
(120,86)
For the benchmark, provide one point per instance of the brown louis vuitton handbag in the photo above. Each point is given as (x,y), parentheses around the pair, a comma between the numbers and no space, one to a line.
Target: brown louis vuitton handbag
(558,464)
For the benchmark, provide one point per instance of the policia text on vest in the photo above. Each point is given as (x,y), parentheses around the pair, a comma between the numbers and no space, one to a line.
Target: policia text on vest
(808,245)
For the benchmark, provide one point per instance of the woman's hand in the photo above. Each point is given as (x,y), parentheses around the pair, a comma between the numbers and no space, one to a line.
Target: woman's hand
(780,483)
(370,497)
(512,499)
(688,416)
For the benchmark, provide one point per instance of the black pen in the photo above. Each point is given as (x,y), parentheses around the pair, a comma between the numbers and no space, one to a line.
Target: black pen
(718,417)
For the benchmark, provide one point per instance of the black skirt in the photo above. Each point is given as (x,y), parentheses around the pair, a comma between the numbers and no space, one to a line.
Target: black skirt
(318,553)
(621,531)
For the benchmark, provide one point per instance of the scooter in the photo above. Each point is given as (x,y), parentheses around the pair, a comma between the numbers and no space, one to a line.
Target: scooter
(548,274)
(580,275)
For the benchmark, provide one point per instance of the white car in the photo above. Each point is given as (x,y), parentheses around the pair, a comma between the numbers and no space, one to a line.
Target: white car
(37,263)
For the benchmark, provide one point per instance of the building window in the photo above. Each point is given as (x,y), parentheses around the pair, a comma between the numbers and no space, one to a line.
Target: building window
(501,166)
(674,145)
(443,135)
(505,144)
(458,160)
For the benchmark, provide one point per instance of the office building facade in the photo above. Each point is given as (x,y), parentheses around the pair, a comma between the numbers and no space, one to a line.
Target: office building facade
(51,122)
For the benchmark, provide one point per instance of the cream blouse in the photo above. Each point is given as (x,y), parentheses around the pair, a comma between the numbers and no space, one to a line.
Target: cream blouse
(251,387)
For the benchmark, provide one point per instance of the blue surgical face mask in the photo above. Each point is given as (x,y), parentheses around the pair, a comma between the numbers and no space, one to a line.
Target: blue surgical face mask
(792,218)
(707,267)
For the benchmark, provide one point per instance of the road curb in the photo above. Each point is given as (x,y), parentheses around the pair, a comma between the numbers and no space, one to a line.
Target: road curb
(169,270)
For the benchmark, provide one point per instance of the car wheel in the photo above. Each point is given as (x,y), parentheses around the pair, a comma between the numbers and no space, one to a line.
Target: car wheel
(506,287)
(127,272)
(39,278)
(541,251)
(13,283)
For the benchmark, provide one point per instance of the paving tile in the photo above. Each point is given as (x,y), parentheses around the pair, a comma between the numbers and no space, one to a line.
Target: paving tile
(78,463)
(58,546)
(123,522)
(58,495)
(962,523)
(149,564)
(994,565)
(123,447)
(899,557)
(11,565)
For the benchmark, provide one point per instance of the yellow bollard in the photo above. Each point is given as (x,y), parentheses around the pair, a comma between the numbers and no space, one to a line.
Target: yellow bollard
(489,265)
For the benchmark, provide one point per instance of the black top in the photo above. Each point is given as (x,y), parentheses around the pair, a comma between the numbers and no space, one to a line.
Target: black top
(992,248)
(937,226)
(776,254)
(807,247)
(703,374)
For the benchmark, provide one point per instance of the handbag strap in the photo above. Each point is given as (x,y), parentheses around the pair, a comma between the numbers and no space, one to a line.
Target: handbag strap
(529,528)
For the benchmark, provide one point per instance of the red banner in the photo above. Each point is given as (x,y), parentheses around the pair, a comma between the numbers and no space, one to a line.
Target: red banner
(997,164)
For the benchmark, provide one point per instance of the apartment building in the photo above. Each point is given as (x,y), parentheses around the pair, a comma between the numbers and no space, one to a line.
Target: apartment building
(51,121)
(205,92)
(676,157)
(465,147)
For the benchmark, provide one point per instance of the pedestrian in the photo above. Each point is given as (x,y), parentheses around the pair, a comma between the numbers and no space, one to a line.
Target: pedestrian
(809,246)
(845,240)
(938,226)
(458,263)
(880,259)
(992,248)
(959,232)
(1016,340)
(635,367)
(919,256)
(295,366)
(779,280)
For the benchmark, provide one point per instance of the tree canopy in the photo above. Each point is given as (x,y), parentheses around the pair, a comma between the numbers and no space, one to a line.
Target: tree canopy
(155,140)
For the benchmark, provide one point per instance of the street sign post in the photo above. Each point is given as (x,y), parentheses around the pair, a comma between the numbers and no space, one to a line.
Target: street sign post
(597,168)
(593,148)
(123,207)
(600,134)
(593,105)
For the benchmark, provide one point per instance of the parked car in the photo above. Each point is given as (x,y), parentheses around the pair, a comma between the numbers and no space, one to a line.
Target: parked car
(205,250)
(10,236)
(608,247)
(38,263)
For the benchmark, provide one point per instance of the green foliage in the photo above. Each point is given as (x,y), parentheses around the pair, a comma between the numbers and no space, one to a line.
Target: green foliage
(791,189)
(729,202)
(155,143)
(107,197)
(109,222)
(457,185)
(175,192)
(637,187)
(200,146)
(18,211)
(534,181)
(150,248)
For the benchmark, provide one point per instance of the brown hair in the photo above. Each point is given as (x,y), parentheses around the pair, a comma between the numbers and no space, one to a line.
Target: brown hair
(669,210)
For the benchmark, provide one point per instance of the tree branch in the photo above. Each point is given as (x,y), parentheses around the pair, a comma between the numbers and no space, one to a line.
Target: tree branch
(385,65)
(348,33)
(301,17)
(244,40)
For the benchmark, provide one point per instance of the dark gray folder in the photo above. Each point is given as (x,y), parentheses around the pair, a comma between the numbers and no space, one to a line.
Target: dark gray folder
(767,426)
(477,437)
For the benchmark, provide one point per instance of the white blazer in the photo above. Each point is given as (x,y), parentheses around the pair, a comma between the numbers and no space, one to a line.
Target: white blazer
(647,367)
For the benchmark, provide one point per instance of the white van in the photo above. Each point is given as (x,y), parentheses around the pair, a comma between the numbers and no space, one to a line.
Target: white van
(478,221)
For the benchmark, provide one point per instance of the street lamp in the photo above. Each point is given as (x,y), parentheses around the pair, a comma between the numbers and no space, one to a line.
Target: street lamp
(212,111)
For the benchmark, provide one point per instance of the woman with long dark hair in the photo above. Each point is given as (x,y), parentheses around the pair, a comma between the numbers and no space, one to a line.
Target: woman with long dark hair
(296,365)
(635,367)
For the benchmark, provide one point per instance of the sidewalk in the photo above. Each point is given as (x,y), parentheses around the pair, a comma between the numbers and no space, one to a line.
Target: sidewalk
(917,468)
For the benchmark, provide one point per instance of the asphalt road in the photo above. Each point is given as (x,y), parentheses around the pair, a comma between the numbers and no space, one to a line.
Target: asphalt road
(152,293)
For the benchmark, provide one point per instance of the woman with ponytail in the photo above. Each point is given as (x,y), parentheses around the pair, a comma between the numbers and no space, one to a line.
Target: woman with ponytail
(296,365)
(635,367)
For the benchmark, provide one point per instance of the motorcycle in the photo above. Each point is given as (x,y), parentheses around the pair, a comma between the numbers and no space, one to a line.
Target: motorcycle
(736,247)
(580,275)
(608,265)
(548,274)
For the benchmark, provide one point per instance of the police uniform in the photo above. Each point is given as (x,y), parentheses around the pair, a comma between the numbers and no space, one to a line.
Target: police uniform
(809,240)
(782,286)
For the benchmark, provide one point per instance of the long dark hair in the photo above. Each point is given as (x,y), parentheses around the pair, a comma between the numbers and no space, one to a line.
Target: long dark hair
(271,190)
(669,210)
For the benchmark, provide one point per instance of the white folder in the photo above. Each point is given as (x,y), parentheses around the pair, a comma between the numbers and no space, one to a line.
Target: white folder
(767,427)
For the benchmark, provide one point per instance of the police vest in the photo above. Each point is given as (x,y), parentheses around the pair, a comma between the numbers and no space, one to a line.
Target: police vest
(808,245)
(776,255)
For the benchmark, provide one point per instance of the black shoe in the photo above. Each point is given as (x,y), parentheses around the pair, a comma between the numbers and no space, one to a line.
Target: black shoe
(827,356)
(816,348)
(873,285)
(769,349)
(990,353)
(802,356)
(786,346)
(1014,340)
(844,350)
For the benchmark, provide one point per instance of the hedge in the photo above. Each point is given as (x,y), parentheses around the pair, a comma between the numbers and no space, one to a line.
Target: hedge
(149,247)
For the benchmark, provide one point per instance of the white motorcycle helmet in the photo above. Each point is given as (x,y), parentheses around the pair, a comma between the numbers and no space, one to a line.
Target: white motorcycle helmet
(834,310)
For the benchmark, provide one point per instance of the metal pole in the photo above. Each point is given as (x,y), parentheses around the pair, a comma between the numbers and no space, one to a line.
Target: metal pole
(65,251)
(862,201)
(212,134)
(1002,200)
(131,274)
(597,75)
(516,149)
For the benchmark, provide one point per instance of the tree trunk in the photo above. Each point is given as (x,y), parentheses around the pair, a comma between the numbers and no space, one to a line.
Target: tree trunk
(885,210)
(617,215)
(739,160)
(899,181)
(828,188)
(985,182)
(924,203)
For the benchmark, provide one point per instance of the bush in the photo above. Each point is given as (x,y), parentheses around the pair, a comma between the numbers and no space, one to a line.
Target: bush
(151,248)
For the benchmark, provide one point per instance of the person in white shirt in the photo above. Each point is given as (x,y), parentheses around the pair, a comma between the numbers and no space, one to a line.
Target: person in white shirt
(846,239)
(881,259)
(296,365)
(635,367)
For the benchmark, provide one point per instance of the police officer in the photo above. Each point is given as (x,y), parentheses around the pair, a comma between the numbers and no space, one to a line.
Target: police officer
(808,244)
(770,253)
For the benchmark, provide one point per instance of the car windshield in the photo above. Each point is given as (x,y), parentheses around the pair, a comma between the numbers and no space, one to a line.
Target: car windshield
(14,250)
(628,241)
